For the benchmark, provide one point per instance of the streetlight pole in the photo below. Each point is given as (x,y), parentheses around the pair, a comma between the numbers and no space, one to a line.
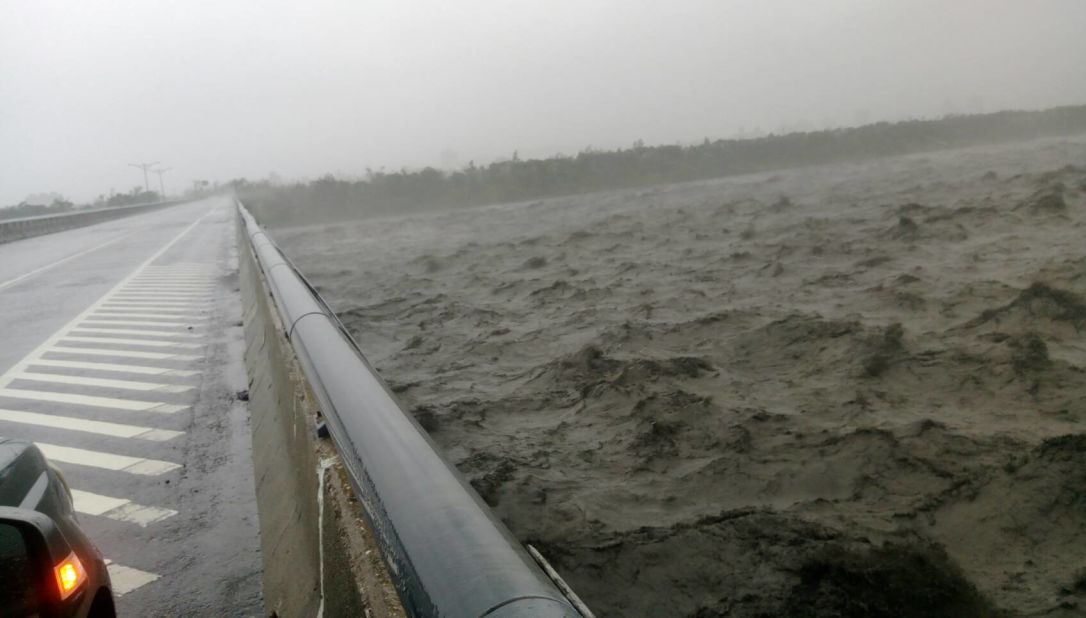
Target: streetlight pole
(162,185)
(144,167)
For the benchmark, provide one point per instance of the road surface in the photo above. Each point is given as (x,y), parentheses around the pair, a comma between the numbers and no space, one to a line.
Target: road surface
(121,356)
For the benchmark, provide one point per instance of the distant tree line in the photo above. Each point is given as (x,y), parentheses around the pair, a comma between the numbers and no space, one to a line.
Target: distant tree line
(60,205)
(136,196)
(24,209)
(381,192)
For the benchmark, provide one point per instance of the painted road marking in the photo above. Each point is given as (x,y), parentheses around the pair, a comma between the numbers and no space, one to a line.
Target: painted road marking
(136,323)
(106,461)
(151,343)
(126,579)
(132,331)
(162,294)
(164,314)
(171,283)
(119,509)
(123,353)
(194,290)
(189,285)
(117,430)
(92,401)
(172,280)
(138,310)
(167,279)
(156,307)
(11,282)
(156,298)
(141,369)
(152,303)
(128,385)
(182,285)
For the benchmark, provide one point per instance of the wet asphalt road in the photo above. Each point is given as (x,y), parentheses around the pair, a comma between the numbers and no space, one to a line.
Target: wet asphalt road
(120,355)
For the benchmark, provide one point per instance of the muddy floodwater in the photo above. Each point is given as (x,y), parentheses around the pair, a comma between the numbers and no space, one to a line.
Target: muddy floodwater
(854,390)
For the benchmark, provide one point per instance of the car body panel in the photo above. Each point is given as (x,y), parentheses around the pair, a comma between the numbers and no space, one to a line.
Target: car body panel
(29,481)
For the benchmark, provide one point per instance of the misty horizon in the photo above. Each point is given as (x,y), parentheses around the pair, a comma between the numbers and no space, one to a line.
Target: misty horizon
(221,92)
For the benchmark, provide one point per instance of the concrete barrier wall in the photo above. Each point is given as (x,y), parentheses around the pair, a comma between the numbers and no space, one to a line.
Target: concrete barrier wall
(15,229)
(318,552)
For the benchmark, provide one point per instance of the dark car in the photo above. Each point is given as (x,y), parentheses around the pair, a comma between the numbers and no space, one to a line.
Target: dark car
(48,567)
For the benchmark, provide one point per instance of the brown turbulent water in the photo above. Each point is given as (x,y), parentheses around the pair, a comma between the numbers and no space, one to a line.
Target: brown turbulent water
(855,390)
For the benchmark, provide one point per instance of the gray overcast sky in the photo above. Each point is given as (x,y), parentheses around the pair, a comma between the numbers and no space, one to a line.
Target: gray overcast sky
(227,88)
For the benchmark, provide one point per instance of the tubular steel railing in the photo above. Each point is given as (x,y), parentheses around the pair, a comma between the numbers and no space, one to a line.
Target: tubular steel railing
(447,553)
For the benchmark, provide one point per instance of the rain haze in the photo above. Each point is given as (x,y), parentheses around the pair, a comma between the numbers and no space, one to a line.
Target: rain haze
(541,308)
(218,90)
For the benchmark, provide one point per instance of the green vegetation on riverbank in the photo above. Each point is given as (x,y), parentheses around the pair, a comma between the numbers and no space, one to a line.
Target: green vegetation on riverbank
(380,192)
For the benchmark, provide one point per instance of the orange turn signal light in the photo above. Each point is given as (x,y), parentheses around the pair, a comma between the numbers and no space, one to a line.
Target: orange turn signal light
(70,575)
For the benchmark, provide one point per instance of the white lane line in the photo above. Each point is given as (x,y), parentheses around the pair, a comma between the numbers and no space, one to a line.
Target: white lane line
(106,461)
(126,579)
(136,323)
(117,430)
(121,353)
(140,369)
(93,401)
(128,385)
(120,341)
(11,282)
(119,509)
(150,332)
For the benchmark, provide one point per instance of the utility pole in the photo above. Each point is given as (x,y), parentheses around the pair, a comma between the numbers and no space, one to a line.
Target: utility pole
(144,167)
(161,185)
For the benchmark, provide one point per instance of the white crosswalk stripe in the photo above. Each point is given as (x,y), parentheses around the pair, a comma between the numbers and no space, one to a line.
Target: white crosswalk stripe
(158,315)
(98,330)
(151,303)
(122,353)
(92,401)
(122,322)
(168,296)
(114,367)
(117,430)
(126,579)
(140,342)
(106,461)
(130,385)
(119,509)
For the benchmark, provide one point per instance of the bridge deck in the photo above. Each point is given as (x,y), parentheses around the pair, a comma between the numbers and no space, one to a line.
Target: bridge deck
(121,356)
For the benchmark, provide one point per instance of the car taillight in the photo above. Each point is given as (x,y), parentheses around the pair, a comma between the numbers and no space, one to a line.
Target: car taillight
(70,575)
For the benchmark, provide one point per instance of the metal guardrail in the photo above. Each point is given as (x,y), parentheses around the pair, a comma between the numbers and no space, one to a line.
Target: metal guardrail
(447,553)
(27,227)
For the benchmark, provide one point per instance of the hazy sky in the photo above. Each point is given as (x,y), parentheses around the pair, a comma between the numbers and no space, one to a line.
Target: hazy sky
(227,88)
